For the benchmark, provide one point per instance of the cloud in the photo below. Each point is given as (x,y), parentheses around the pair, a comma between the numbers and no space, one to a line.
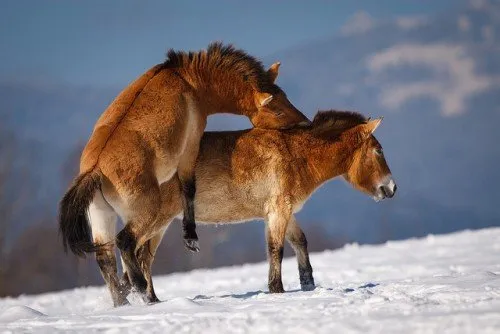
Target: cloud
(453,83)
(464,23)
(489,6)
(478,4)
(359,23)
(488,34)
(345,89)
(410,22)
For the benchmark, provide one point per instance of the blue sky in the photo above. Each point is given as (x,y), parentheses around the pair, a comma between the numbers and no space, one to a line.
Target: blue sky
(111,42)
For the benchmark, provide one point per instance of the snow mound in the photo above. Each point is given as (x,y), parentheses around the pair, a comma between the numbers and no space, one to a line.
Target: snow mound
(19,312)
(438,284)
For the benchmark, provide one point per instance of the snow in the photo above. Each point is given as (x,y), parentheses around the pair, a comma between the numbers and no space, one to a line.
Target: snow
(444,284)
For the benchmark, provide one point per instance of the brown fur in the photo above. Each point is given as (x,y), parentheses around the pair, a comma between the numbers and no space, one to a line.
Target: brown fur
(152,131)
(265,174)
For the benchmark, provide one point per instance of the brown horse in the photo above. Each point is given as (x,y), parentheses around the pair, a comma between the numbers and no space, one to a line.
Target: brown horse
(152,131)
(265,174)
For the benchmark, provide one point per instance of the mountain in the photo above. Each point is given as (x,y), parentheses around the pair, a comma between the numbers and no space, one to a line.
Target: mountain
(436,80)
(446,283)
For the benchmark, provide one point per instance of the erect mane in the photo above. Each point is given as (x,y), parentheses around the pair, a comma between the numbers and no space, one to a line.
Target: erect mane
(223,58)
(337,121)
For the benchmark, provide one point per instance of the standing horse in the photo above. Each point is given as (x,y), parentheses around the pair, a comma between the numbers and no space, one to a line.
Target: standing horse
(265,174)
(150,132)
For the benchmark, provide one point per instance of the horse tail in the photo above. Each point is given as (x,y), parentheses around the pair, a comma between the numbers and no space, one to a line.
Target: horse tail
(73,221)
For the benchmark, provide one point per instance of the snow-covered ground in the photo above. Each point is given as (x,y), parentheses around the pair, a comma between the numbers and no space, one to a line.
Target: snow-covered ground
(439,284)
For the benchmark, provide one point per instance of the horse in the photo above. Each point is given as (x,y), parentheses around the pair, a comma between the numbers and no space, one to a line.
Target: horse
(266,174)
(152,131)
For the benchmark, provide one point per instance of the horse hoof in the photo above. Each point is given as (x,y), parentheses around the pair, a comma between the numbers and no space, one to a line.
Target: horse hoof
(154,301)
(148,300)
(120,303)
(192,245)
(307,287)
(276,288)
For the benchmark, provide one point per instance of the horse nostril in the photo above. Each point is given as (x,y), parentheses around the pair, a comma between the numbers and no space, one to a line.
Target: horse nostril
(395,188)
(383,190)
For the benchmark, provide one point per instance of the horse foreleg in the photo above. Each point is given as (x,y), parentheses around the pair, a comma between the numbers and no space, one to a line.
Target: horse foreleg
(188,190)
(276,226)
(187,180)
(297,239)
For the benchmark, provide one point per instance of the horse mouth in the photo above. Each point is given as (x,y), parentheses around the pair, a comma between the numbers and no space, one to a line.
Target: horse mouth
(384,192)
(380,194)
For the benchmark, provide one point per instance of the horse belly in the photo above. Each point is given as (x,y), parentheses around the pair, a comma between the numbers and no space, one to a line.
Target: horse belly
(221,205)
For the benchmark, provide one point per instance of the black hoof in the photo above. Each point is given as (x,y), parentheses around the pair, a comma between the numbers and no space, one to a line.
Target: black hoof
(307,287)
(152,301)
(276,288)
(120,303)
(149,300)
(192,245)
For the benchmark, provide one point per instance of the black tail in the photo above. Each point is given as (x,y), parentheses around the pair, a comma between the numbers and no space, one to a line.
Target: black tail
(73,222)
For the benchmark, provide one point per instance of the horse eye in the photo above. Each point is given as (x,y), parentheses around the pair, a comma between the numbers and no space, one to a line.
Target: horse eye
(379,151)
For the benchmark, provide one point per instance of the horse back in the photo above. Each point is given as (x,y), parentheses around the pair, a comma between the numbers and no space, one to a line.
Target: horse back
(152,110)
(111,117)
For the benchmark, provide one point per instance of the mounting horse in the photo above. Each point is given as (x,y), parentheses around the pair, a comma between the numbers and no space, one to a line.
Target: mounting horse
(151,132)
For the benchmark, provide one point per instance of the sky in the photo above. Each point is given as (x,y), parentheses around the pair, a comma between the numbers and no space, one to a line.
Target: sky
(109,43)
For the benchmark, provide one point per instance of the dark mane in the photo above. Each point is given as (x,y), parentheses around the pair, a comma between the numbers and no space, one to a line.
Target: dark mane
(226,58)
(338,120)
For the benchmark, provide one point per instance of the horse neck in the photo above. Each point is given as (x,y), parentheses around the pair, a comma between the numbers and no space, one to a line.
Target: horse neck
(325,159)
(219,91)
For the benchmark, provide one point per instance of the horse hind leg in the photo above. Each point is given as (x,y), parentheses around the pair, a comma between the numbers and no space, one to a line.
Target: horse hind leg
(297,239)
(127,243)
(125,281)
(102,219)
(146,256)
(142,224)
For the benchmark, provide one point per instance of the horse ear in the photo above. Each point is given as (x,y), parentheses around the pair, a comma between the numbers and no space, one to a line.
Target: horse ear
(263,98)
(273,71)
(372,125)
(366,129)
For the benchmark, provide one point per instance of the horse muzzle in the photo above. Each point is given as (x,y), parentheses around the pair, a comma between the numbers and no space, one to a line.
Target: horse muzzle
(386,190)
(303,124)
